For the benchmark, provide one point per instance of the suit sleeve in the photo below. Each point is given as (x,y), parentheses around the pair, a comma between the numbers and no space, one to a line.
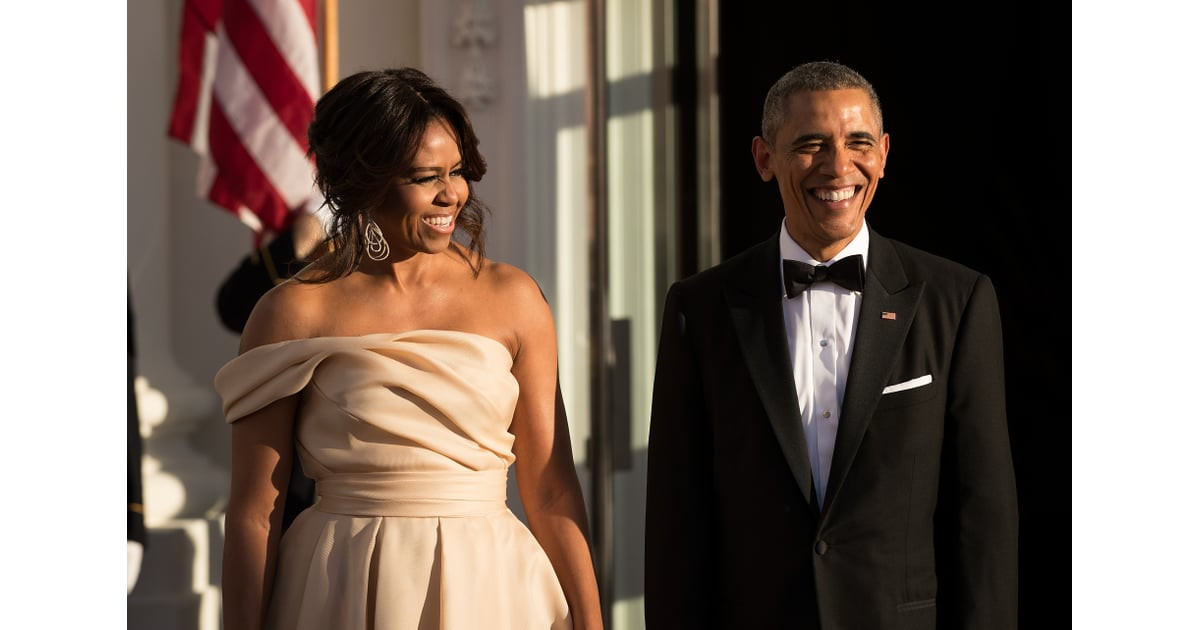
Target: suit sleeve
(679,493)
(978,502)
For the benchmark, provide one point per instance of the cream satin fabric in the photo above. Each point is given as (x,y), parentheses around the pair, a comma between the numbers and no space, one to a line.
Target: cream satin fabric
(407,437)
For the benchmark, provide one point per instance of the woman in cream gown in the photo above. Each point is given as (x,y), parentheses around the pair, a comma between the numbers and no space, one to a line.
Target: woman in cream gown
(409,372)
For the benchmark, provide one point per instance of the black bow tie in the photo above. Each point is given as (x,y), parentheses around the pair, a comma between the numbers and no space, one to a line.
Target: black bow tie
(847,272)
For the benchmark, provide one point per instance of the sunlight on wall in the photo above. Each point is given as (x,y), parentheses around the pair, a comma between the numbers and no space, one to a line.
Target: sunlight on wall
(571,304)
(630,51)
(555,47)
(632,238)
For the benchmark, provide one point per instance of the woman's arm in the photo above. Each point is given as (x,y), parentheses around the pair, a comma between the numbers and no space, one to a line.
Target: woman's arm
(549,487)
(262,462)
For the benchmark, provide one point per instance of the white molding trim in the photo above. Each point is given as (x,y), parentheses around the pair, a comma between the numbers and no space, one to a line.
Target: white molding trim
(475,32)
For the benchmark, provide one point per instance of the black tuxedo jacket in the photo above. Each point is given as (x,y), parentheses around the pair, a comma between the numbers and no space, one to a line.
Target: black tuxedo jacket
(919,528)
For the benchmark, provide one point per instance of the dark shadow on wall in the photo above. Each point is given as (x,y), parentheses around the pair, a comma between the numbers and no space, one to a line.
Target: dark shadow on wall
(978,106)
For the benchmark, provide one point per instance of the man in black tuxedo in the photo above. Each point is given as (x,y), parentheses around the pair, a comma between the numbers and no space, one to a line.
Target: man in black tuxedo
(829,446)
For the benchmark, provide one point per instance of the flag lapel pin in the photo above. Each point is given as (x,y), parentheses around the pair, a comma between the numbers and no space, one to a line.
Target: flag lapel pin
(888,315)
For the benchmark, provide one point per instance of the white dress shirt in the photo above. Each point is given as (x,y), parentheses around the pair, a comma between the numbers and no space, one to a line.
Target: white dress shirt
(820,324)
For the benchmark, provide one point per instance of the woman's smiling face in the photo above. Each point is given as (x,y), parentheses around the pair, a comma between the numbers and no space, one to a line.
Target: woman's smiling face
(419,211)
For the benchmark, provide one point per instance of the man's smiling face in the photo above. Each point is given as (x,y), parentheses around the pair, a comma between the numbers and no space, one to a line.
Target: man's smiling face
(827,157)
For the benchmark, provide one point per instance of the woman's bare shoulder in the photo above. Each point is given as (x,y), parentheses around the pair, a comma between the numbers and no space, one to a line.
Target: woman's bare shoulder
(516,295)
(290,310)
(510,282)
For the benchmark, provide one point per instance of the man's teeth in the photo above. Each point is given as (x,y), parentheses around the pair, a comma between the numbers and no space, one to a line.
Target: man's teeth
(441,222)
(835,195)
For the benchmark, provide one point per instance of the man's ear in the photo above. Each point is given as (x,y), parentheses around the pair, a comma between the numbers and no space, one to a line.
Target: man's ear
(762,158)
(885,143)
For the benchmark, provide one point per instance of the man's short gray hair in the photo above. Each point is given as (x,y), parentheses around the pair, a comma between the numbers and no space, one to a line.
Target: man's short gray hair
(815,76)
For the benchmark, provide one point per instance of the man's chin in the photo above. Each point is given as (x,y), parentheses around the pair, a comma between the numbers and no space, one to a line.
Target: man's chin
(834,231)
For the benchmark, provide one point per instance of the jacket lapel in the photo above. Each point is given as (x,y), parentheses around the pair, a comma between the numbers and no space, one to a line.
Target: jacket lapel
(754,294)
(877,344)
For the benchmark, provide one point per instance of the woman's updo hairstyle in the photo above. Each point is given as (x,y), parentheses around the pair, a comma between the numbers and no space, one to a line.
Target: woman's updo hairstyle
(365,133)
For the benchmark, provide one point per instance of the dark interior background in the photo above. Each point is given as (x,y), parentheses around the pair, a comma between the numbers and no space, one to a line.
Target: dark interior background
(976,98)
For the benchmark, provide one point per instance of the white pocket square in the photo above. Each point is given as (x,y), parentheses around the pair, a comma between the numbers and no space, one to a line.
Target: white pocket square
(909,384)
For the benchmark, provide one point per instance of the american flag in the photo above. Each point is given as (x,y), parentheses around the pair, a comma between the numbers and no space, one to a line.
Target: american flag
(248,78)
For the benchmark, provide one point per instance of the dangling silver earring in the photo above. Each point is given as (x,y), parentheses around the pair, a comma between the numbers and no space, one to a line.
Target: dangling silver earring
(377,246)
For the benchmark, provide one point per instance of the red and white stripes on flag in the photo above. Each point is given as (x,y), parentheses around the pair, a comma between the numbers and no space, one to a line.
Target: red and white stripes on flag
(248,79)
